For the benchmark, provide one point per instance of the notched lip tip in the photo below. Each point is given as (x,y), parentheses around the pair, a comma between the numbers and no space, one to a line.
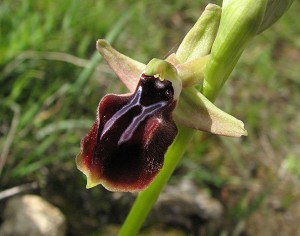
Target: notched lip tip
(115,188)
(123,190)
(111,187)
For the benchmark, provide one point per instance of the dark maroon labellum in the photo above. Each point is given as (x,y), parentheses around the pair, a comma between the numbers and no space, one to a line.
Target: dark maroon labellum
(125,148)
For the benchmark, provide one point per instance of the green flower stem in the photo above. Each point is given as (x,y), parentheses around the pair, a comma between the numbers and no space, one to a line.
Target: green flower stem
(146,199)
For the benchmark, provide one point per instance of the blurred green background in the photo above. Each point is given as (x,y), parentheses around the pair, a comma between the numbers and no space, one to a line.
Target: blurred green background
(51,81)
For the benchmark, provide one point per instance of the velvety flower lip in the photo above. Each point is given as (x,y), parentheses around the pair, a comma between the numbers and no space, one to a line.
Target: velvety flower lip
(125,147)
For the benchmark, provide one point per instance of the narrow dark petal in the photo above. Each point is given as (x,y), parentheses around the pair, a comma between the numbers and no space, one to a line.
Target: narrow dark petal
(125,148)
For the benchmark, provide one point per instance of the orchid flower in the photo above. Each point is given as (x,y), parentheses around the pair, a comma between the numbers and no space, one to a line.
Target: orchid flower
(125,148)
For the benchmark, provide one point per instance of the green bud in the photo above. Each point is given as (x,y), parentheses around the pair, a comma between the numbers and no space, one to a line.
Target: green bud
(240,22)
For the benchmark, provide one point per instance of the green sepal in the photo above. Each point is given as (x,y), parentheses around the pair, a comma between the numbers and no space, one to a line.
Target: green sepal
(127,69)
(196,111)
